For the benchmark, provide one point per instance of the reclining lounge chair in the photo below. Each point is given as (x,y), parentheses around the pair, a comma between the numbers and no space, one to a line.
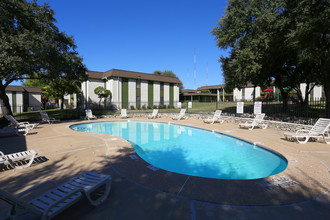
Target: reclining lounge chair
(24,127)
(216,118)
(319,130)
(123,113)
(55,201)
(154,114)
(26,156)
(256,122)
(46,118)
(89,114)
(181,115)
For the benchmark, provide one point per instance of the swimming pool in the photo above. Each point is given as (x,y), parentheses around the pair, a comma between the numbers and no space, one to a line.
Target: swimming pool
(192,151)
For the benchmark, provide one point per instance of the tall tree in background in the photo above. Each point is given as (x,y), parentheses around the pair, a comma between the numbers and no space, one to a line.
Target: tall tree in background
(167,73)
(284,41)
(32,47)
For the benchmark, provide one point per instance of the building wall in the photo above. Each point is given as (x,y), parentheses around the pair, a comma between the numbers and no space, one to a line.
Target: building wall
(258,89)
(248,93)
(132,93)
(17,104)
(35,101)
(110,86)
(176,95)
(166,94)
(144,93)
(116,92)
(91,85)
(156,93)
(237,94)
(318,92)
(150,93)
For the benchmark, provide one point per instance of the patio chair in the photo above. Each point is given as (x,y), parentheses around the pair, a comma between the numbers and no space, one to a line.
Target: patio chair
(46,118)
(24,127)
(256,122)
(154,114)
(26,157)
(53,202)
(181,115)
(216,118)
(89,114)
(123,113)
(319,130)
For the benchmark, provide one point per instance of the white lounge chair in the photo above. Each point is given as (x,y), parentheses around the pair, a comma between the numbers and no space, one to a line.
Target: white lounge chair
(154,114)
(55,201)
(89,114)
(319,130)
(256,122)
(216,118)
(10,159)
(181,115)
(123,113)
(24,127)
(46,118)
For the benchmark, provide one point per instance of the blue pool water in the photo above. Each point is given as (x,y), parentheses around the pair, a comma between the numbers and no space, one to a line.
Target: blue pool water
(192,151)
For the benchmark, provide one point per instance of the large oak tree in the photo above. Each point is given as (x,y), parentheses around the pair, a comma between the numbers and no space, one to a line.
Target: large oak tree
(283,41)
(31,46)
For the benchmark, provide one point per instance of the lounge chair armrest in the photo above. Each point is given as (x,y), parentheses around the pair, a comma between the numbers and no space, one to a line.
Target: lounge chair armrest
(302,131)
(23,123)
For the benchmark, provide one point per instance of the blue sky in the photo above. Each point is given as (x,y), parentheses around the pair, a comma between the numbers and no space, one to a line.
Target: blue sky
(145,35)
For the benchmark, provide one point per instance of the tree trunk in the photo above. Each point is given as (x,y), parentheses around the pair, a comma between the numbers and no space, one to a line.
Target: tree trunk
(299,94)
(62,102)
(4,102)
(284,95)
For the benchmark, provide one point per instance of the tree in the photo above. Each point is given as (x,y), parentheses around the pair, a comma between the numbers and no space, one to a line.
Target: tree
(311,37)
(285,42)
(102,93)
(32,47)
(167,73)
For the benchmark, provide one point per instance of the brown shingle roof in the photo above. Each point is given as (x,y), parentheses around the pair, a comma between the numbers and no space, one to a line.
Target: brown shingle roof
(95,75)
(189,91)
(133,75)
(199,94)
(33,89)
(211,87)
(22,89)
(15,88)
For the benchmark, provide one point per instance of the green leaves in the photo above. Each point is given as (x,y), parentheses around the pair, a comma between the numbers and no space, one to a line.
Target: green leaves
(31,46)
(30,42)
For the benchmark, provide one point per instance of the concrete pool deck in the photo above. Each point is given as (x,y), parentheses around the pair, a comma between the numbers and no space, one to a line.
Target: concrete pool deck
(299,192)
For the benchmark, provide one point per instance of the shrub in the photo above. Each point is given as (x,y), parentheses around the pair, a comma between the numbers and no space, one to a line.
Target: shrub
(144,107)
(138,107)
(161,106)
(132,107)
(149,107)
(155,107)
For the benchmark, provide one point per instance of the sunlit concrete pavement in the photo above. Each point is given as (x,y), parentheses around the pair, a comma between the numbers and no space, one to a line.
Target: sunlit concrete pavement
(139,193)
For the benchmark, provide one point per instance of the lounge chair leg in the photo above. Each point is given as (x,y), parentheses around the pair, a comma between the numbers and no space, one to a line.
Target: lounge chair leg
(304,141)
(28,164)
(101,198)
